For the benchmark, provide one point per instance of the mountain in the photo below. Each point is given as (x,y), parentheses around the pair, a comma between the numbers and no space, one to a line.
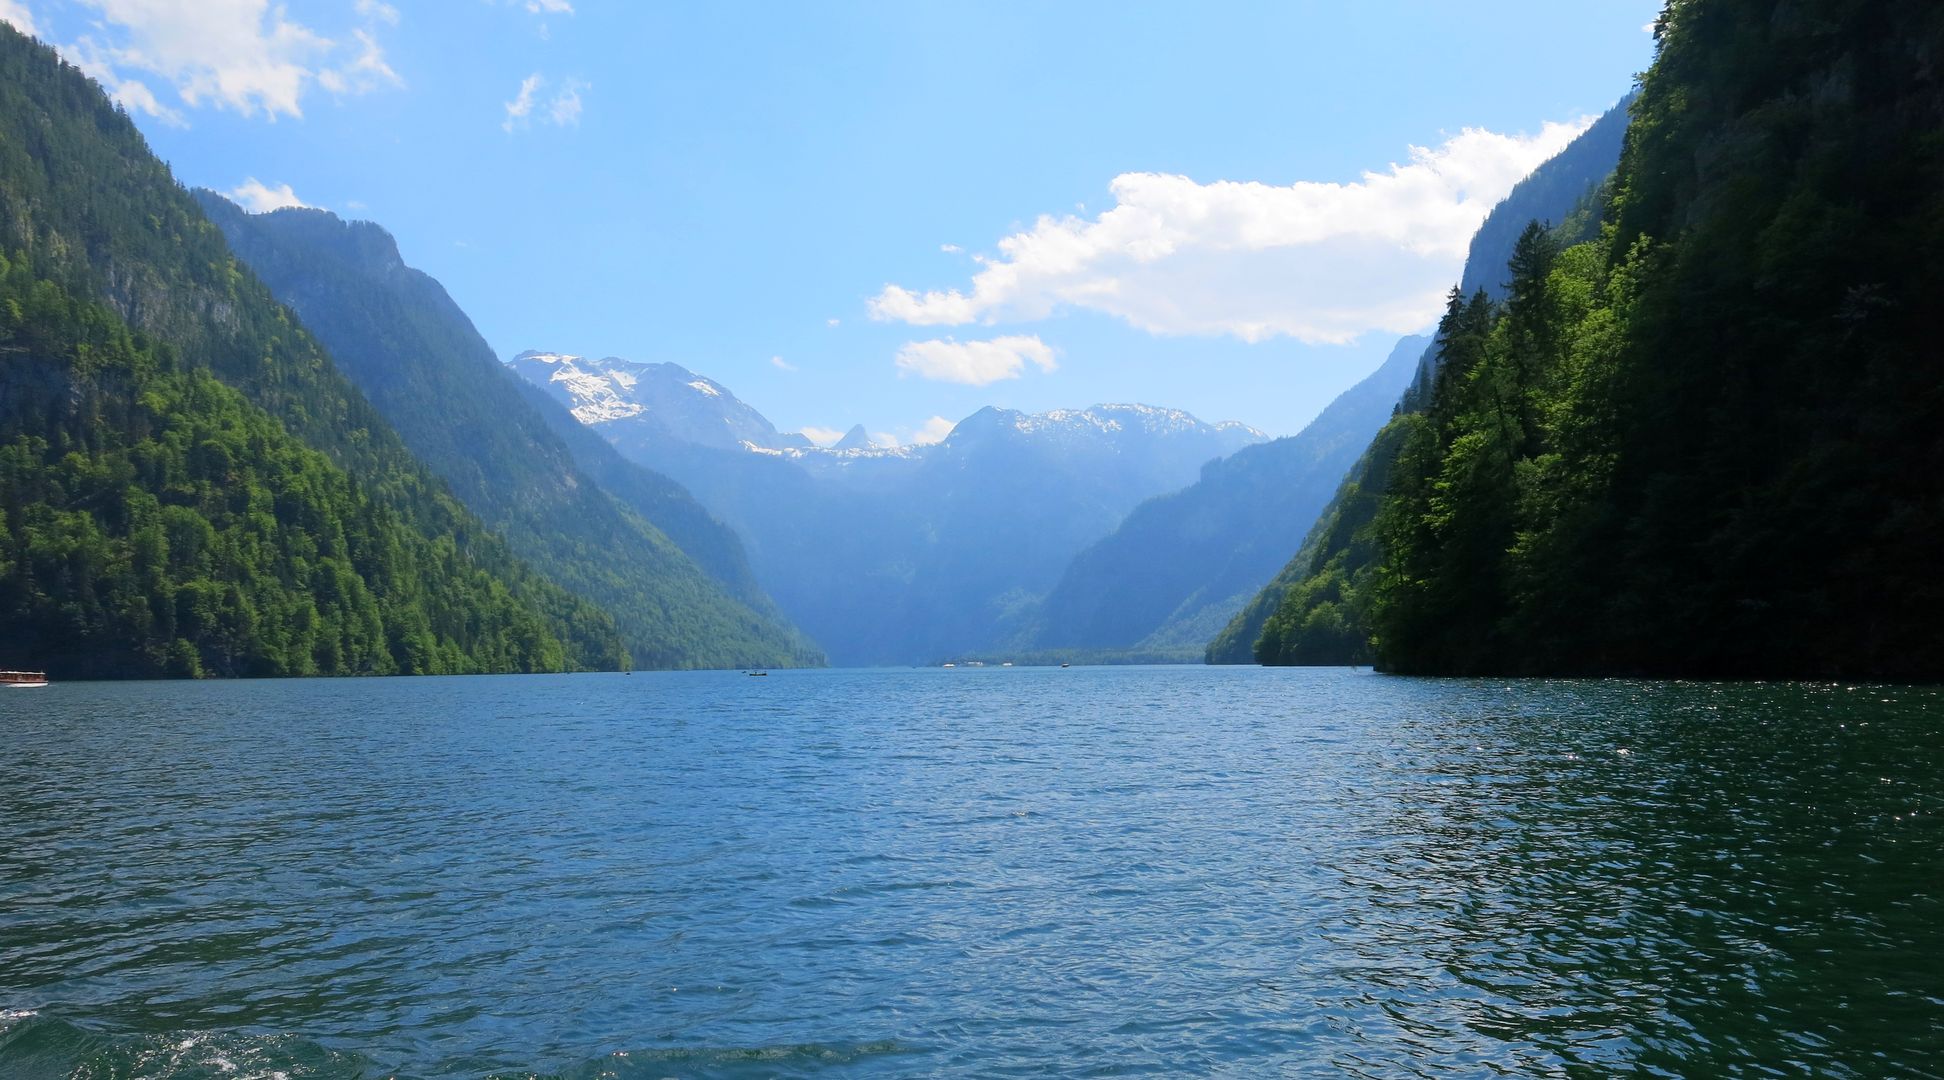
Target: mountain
(398,335)
(897,555)
(1565,190)
(1182,564)
(638,404)
(1706,443)
(190,485)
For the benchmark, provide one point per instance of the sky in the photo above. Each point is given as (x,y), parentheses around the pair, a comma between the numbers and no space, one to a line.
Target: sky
(885,213)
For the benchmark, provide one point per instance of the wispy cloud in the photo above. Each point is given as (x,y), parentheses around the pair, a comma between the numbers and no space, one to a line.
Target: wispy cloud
(781,364)
(931,431)
(565,110)
(364,73)
(975,363)
(133,94)
(518,109)
(543,8)
(16,13)
(1318,262)
(260,198)
(242,55)
(562,109)
(822,436)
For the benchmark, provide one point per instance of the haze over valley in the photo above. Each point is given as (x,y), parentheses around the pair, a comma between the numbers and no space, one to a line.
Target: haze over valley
(561,538)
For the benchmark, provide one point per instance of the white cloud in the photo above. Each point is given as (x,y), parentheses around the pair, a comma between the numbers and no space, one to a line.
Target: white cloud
(833,322)
(550,7)
(975,363)
(378,11)
(364,74)
(950,249)
(932,431)
(566,108)
(781,364)
(522,103)
(822,436)
(259,198)
(925,434)
(1319,262)
(229,54)
(15,12)
(133,94)
(563,109)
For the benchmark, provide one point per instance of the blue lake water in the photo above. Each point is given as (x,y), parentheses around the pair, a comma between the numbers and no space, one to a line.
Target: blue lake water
(997,872)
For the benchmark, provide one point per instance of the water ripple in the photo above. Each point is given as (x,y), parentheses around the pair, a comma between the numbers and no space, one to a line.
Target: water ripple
(997,873)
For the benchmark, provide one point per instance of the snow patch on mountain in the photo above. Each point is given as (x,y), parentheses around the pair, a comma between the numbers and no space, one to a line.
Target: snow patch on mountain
(669,402)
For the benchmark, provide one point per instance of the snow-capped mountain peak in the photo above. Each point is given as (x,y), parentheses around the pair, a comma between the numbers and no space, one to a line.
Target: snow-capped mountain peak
(654,401)
(667,403)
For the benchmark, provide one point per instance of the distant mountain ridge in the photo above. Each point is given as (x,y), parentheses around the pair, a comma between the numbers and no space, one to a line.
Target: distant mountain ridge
(1183,563)
(894,554)
(636,403)
(418,358)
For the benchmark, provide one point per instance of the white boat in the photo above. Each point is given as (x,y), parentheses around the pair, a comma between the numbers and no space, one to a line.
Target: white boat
(23,680)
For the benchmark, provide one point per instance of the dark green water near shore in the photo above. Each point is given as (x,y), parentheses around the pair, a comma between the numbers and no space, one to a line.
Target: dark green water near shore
(1108,871)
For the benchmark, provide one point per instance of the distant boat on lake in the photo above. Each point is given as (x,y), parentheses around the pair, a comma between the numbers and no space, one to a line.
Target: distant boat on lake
(23,679)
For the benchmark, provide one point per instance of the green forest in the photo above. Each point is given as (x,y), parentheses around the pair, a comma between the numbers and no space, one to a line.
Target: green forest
(144,371)
(156,523)
(1682,417)
(1708,441)
(417,358)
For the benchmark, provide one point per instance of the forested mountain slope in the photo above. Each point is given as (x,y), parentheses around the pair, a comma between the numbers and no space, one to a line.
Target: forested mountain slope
(419,360)
(1564,190)
(1710,443)
(87,216)
(1180,566)
(158,524)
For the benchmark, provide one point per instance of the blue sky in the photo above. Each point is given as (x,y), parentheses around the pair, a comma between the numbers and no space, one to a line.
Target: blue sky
(892,212)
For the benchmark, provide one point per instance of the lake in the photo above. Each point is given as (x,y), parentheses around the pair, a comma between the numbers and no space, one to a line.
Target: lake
(971,872)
